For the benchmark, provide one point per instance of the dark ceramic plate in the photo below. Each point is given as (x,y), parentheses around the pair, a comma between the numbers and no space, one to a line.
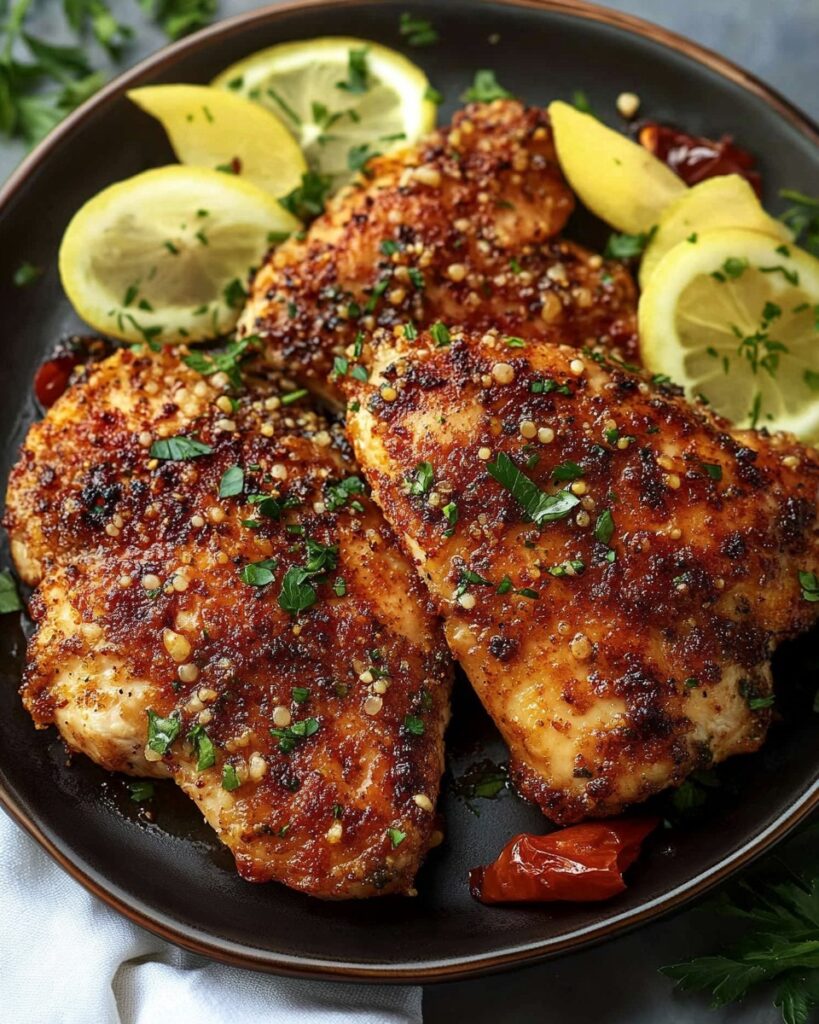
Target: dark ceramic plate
(170,875)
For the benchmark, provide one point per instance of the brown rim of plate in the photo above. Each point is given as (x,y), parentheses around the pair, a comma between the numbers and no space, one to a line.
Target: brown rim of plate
(480,964)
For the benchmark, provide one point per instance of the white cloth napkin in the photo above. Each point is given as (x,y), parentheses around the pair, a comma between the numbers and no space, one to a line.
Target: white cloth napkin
(67,958)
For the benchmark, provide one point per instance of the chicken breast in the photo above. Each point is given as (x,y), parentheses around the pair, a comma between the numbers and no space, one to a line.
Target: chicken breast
(614,565)
(460,228)
(220,602)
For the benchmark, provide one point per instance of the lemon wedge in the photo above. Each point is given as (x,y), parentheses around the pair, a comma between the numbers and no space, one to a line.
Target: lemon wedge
(617,179)
(734,316)
(343,99)
(727,201)
(212,128)
(165,256)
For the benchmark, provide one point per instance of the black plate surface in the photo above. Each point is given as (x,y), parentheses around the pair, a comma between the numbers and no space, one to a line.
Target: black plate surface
(170,875)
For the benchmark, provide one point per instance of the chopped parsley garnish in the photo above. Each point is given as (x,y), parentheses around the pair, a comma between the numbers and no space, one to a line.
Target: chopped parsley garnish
(306,200)
(294,734)
(416,276)
(731,269)
(573,567)
(358,80)
(232,482)
(691,683)
(293,396)
(628,247)
(26,274)
(802,218)
(514,342)
(203,748)
(504,586)
(396,836)
(811,378)
(141,790)
(604,527)
(258,574)
(760,703)
(234,294)
(410,331)
(297,594)
(440,334)
(433,95)
(467,577)
(791,276)
(300,694)
(321,557)
(422,478)
(162,731)
(337,495)
(357,157)
(9,598)
(809,585)
(450,513)
(567,471)
(417,31)
(713,470)
(539,507)
(547,386)
(271,507)
(177,449)
(388,247)
(580,101)
(485,88)
(414,725)
(230,778)
(339,587)
(227,362)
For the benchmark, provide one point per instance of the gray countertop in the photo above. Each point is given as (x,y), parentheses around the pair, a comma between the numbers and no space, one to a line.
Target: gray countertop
(617,982)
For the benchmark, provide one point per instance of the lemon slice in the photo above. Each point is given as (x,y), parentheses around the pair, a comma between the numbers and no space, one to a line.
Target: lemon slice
(727,201)
(343,99)
(212,128)
(619,180)
(165,256)
(733,316)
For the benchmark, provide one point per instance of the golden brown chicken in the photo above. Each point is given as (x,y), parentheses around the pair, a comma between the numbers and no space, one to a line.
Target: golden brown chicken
(614,565)
(220,602)
(460,228)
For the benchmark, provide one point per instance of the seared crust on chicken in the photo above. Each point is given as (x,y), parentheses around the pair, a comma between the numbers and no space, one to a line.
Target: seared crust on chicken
(145,604)
(619,633)
(459,228)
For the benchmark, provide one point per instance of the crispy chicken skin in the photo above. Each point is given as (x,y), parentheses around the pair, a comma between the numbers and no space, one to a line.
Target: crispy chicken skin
(614,656)
(460,228)
(140,605)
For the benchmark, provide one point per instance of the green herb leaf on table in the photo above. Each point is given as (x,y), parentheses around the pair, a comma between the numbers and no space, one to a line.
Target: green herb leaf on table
(178,18)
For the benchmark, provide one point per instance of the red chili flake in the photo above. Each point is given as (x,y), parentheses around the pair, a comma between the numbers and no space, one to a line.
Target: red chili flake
(581,863)
(695,158)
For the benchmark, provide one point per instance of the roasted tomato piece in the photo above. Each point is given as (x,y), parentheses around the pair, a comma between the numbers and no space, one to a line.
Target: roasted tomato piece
(581,864)
(695,158)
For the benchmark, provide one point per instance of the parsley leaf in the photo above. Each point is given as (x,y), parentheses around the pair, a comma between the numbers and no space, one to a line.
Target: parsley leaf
(540,507)
(232,482)
(809,585)
(294,734)
(337,495)
(417,31)
(9,598)
(258,574)
(176,449)
(141,790)
(414,725)
(627,247)
(422,478)
(26,274)
(358,79)
(227,362)
(604,527)
(230,778)
(802,218)
(485,88)
(396,836)
(297,593)
(203,748)
(306,201)
(162,731)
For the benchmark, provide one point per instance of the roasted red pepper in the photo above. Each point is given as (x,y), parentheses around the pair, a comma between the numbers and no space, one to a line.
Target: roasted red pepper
(581,863)
(695,158)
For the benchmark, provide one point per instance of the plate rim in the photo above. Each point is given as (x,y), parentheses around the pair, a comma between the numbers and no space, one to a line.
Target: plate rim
(458,967)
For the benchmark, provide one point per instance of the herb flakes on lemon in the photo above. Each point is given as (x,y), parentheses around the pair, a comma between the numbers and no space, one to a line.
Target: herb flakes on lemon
(165,256)
(733,315)
(343,99)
